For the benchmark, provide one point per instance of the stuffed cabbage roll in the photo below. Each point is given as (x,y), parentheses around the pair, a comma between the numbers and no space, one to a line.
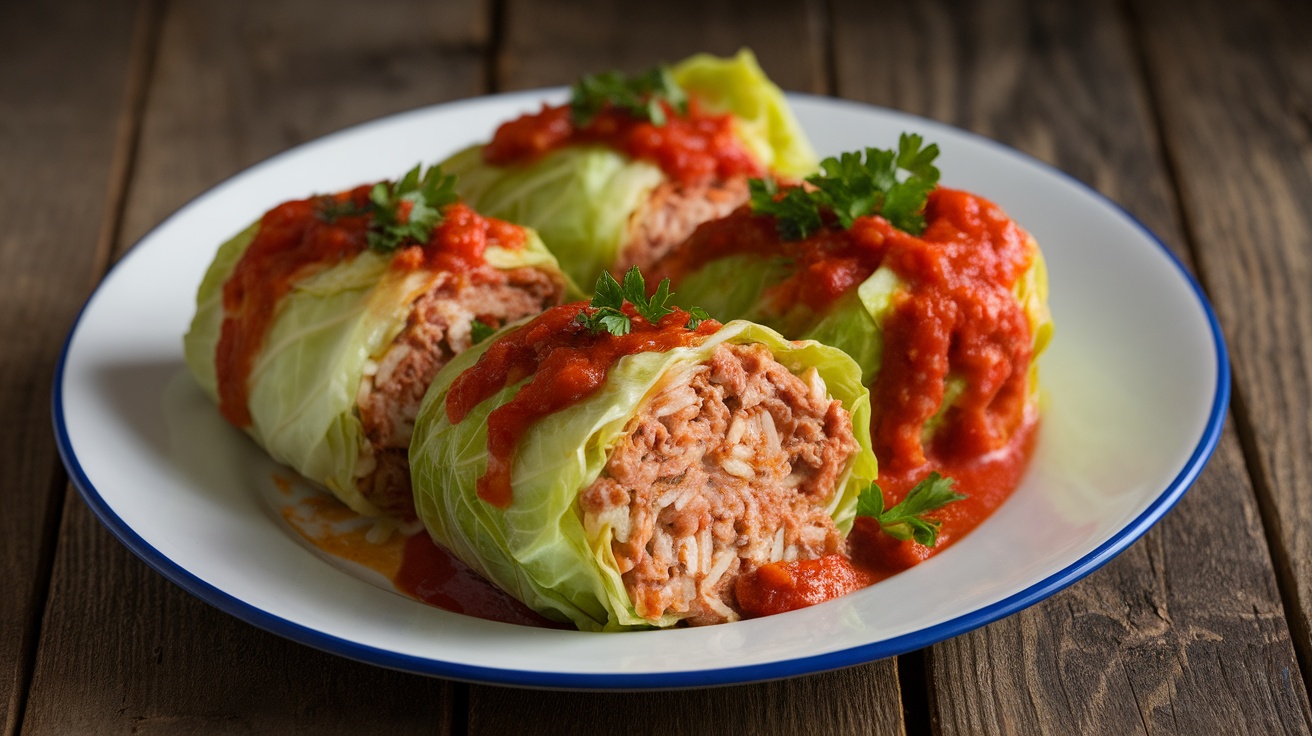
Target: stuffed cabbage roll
(631,165)
(618,471)
(319,327)
(938,295)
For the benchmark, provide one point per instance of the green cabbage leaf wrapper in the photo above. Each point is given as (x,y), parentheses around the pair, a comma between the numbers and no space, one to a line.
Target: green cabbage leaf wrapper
(736,287)
(580,198)
(537,549)
(304,382)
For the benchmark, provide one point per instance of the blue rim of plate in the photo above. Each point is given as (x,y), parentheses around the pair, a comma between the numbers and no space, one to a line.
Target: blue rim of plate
(737,675)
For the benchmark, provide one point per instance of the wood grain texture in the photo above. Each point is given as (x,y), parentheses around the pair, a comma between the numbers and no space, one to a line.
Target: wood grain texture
(122,650)
(1235,85)
(851,701)
(551,44)
(1183,633)
(239,82)
(127,652)
(64,78)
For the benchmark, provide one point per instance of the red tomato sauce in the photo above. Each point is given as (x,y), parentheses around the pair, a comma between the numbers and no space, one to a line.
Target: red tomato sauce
(690,148)
(294,242)
(959,318)
(433,575)
(872,556)
(567,364)
(787,586)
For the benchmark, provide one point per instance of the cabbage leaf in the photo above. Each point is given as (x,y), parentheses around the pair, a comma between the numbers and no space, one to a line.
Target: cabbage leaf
(305,380)
(578,198)
(537,548)
(765,123)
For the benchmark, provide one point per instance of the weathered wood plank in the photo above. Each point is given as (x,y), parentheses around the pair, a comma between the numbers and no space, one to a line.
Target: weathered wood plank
(1235,85)
(237,83)
(65,76)
(1150,642)
(851,701)
(552,44)
(122,650)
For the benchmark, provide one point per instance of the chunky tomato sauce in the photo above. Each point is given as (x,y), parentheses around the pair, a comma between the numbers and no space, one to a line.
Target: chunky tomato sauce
(787,586)
(295,241)
(567,364)
(691,148)
(957,320)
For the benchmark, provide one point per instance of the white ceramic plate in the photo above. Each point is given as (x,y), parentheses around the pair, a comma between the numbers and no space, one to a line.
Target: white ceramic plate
(1136,383)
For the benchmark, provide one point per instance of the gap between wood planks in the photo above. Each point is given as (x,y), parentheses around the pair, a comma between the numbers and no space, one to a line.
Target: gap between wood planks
(1286,586)
(144,46)
(1285,582)
(496,33)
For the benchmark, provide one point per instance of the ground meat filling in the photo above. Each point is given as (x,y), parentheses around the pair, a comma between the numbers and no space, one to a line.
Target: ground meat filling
(671,214)
(730,466)
(438,329)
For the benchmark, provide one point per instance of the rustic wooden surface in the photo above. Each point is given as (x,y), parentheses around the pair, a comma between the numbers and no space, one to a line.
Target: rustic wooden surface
(1235,90)
(1148,633)
(1197,117)
(64,101)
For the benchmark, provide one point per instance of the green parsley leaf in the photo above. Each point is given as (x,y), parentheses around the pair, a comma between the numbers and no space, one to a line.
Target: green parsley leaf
(639,95)
(696,316)
(607,305)
(851,187)
(796,215)
(905,520)
(616,324)
(657,306)
(480,331)
(427,194)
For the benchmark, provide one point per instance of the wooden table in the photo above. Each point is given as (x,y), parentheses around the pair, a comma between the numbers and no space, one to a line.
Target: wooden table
(1196,116)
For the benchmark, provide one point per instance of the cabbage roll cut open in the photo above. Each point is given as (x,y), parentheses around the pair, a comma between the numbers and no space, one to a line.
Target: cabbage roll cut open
(633,163)
(623,465)
(319,327)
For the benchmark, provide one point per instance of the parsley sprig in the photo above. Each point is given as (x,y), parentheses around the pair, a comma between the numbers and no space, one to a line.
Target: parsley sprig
(426,191)
(851,186)
(640,95)
(427,194)
(796,213)
(905,520)
(607,307)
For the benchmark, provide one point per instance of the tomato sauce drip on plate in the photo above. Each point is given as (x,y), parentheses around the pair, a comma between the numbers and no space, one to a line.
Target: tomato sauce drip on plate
(690,148)
(295,240)
(566,363)
(433,575)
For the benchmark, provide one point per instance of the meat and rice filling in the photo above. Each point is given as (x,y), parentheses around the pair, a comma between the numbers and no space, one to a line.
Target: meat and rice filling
(730,466)
(438,328)
(670,215)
